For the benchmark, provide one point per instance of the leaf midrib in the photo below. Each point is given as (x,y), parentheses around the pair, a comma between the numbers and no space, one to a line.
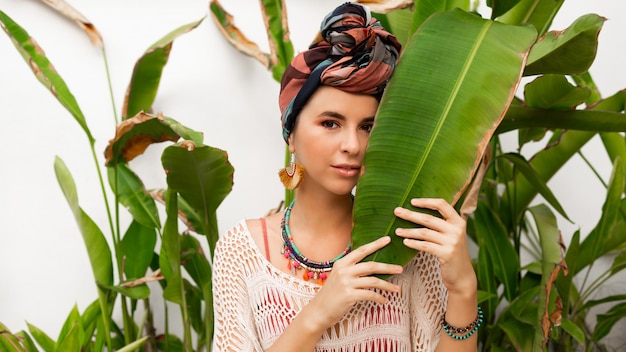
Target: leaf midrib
(444,115)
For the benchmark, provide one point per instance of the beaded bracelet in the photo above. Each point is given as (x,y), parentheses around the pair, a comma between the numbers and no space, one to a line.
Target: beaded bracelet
(466,332)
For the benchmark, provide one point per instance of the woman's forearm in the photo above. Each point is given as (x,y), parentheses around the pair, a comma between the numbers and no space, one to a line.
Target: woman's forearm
(461,311)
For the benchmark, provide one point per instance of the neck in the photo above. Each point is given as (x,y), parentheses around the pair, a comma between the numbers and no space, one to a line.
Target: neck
(323,215)
(321,227)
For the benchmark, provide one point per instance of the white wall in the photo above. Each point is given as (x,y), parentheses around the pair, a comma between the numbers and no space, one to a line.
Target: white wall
(208,86)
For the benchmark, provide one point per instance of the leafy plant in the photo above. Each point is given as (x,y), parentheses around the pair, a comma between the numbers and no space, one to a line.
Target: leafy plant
(198,178)
(535,305)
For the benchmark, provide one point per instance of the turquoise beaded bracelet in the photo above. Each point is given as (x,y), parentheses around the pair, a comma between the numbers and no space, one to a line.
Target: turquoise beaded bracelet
(466,332)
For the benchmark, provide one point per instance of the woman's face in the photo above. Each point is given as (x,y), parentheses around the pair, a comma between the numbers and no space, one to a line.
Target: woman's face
(330,138)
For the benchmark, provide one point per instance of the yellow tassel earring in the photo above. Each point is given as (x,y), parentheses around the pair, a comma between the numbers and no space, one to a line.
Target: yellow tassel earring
(292,175)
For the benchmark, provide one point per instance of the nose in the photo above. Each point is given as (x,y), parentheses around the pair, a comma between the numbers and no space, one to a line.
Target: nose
(351,143)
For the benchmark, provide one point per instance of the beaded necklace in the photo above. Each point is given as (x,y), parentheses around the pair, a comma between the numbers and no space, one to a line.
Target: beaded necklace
(296,261)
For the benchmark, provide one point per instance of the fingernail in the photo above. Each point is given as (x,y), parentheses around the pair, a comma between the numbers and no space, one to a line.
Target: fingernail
(397,211)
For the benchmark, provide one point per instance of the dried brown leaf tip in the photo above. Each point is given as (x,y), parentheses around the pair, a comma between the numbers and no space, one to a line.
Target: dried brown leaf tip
(225,23)
(155,276)
(386,6)
(134,135)
(187,144)
(71,13)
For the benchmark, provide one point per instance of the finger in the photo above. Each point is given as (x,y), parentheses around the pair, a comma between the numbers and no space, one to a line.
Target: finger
(421,234)
(426,220)
(444,208)
(376,268)
(369,295)
(363,251)
(424,246)
(370,282)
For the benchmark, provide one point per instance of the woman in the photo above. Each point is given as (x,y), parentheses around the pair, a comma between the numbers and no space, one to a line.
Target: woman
(290,281)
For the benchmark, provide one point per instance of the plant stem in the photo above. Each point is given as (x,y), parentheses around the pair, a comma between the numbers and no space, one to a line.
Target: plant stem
(106,69)
(593,169)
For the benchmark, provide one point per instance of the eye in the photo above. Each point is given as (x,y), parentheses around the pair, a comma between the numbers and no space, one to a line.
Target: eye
(367,127)
(329,124)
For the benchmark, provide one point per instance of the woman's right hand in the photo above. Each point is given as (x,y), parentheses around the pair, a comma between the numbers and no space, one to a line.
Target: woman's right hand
(351,281)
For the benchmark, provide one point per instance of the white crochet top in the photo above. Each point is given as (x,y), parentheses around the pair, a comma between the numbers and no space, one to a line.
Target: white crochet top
(254,302)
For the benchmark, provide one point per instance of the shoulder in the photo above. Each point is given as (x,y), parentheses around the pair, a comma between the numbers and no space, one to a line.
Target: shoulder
(235,239)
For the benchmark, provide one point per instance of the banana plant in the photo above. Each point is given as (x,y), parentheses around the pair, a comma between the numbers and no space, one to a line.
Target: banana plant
(121,270)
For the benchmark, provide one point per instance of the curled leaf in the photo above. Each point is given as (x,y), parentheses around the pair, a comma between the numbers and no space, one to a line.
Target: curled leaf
(133,136)
(70,12)
(234,36)
(386,6)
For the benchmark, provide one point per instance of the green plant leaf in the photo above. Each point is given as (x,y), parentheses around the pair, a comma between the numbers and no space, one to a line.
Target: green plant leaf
(137,247)
(564,282)
(615,145)
(26,341)
(440,106)
(608,299)
(607,321)
(45,72)
(397,22)
(569,51)
(539,13)
(71,333)
(90,320)
(486,278)
(500,7)
(195,262)
(43,340)
(619,263)
(551,263)
(144,82)
(132,194)
(133,346)
(281,48)
(18,342)
(581,120)
(134,292)
(493,238)
(169,258)
(533,177)
(554,92)
(520,334)
(592,246)
(97,246)
(170,343)
(574,331)
(425,8)
(547,162)
(518,320)
(203,176)
(193,297)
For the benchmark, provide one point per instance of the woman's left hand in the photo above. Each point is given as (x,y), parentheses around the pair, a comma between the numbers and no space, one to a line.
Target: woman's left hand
(444,237)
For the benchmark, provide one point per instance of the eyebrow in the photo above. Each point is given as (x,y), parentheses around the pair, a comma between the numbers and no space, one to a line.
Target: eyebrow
(342,117)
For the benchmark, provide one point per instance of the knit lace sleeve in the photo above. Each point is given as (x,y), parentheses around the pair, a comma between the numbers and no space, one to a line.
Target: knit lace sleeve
(428,301)
(233,328)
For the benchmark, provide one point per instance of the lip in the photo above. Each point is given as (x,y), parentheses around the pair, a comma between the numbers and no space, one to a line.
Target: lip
(347,170)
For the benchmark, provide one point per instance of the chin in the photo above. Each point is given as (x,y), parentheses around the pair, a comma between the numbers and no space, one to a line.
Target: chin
(343,190)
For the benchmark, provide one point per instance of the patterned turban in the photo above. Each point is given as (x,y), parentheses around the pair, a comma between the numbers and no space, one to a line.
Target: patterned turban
(354,54)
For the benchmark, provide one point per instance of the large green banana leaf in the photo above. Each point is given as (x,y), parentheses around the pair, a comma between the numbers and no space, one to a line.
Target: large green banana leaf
(453,84)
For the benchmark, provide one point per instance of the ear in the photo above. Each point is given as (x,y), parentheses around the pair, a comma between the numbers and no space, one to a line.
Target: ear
(292,149)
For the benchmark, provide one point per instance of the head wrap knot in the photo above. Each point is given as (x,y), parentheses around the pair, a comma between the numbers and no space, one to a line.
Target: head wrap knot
(355,54)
